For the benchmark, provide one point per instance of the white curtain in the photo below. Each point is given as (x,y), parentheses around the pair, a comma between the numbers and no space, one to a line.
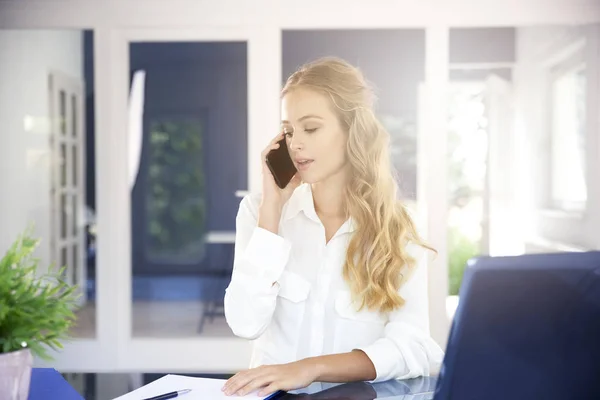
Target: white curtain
(135,124)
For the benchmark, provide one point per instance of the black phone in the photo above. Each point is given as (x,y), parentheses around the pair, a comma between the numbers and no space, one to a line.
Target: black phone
(281,165)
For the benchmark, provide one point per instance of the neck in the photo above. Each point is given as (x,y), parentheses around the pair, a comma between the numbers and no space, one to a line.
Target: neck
(328,196)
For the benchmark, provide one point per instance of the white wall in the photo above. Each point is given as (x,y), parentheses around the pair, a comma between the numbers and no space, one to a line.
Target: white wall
(26,57)
(537,49)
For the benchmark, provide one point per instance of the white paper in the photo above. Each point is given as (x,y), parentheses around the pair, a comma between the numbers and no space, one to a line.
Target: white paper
(202,388)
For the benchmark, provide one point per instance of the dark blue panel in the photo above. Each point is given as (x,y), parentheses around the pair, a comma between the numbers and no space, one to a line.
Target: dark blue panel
(207,81)
(527,327)
(48,384)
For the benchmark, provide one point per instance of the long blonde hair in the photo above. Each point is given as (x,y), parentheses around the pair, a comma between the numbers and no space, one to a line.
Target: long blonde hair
(377,263)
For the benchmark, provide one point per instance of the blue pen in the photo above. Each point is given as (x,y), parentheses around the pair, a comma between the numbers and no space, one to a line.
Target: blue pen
(170,395)
(275,395)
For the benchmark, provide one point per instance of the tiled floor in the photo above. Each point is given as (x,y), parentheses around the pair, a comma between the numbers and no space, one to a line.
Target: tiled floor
(158,319)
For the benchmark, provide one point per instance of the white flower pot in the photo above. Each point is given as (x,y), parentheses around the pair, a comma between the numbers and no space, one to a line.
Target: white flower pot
(15,374)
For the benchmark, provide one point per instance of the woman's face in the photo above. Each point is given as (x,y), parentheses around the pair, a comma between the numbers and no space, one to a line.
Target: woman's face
(315,137)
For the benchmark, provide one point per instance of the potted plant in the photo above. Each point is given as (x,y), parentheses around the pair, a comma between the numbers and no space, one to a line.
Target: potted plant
(36,312)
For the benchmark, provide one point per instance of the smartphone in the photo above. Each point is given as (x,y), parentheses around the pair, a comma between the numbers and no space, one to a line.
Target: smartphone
(281,165)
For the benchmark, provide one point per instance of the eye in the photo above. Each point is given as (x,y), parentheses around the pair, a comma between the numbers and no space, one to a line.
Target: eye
(312,130)
(287,130)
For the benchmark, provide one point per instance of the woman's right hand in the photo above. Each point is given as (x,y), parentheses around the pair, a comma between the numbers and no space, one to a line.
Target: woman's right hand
(273,197)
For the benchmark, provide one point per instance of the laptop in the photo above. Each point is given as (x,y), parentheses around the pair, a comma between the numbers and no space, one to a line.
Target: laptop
(527,327)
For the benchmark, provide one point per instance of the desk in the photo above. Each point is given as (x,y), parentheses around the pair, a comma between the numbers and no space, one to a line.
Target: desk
(48,384)
(410,389)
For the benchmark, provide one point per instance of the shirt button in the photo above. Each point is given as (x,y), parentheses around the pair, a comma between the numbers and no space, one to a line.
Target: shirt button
(314,338)
(319,311)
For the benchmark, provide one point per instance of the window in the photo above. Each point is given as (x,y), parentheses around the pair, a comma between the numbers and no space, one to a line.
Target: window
(568,126)
(176,198)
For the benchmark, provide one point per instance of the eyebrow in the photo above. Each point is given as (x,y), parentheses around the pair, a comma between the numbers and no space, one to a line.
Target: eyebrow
(303,118)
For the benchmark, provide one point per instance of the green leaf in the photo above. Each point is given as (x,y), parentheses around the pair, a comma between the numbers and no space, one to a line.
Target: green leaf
(36,304)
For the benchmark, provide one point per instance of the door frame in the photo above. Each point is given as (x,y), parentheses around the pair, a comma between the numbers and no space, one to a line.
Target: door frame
(75,264)
(263,70)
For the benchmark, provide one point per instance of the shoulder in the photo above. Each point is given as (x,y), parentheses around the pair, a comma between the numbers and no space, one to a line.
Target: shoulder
(249,205)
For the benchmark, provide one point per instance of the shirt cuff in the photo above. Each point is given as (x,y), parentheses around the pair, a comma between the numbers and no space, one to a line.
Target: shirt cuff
(266,255)
(382,358)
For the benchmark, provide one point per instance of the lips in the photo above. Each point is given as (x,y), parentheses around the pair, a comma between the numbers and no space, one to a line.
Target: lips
(303,163)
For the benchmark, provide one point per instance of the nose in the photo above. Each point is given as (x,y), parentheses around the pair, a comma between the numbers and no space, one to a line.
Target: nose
(296,144)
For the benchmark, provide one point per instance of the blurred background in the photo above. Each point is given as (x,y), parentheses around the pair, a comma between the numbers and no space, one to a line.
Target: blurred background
(129,132)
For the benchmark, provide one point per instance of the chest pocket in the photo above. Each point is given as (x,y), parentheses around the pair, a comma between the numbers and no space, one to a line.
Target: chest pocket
(280,341)
(355,328)
(347,310)
(293,287)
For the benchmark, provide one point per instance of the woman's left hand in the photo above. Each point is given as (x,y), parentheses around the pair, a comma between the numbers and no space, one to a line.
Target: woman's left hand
(270,378)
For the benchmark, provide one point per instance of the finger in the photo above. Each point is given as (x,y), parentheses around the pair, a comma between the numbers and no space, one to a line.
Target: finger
(294,183)
(231,379)
(271,388)
(268,149)
(257,383)
(237,381)
(251,375)
(278,137)
(275,140)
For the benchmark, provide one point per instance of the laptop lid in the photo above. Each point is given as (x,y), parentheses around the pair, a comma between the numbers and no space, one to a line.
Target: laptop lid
(527,327)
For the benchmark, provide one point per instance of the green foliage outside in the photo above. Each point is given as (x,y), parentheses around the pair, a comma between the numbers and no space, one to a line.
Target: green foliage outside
(176,205)
(36,307)
(466,177)
(460,250)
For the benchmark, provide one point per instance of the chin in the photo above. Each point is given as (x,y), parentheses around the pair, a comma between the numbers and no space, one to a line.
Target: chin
(309,178)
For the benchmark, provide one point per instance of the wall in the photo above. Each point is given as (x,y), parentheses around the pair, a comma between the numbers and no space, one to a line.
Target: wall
(313,14)
(26,57)
(393,62)
(395,74)
(537,48)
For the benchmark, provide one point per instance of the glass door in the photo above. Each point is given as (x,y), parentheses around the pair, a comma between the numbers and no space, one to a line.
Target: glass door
(184,116)
(191,100)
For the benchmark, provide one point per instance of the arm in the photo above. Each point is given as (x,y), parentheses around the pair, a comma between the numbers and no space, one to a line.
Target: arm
(344,367)
(406,349)
(259,259)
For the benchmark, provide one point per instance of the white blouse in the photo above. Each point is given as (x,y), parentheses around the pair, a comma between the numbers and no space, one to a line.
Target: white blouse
(308,312)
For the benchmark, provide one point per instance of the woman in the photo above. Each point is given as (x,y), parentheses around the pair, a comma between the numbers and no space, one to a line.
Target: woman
(330,276)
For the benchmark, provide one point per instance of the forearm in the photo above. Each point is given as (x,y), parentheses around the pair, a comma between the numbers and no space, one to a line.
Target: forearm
(345,367)
(260,258)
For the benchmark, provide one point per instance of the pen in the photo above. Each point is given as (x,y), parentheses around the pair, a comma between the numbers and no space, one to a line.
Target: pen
(170,395)
(275,395)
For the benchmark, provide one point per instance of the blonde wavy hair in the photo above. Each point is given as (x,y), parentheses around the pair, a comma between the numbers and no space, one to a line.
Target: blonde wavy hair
(377,263)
